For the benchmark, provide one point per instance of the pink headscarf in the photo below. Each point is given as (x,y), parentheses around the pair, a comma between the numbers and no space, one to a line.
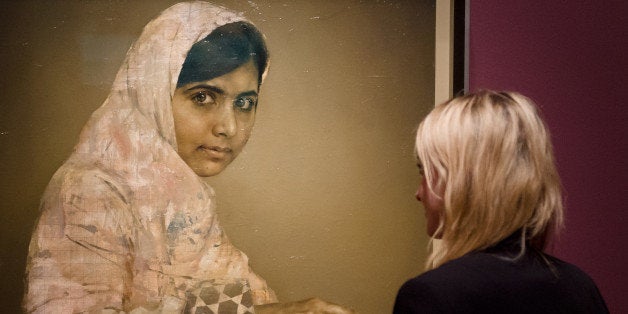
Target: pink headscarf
(125,222)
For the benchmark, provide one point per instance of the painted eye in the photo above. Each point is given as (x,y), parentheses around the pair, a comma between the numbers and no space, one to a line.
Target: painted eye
(202,98)
(245,103)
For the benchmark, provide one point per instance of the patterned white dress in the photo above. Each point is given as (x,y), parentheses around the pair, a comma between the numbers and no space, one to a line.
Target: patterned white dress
(126,225)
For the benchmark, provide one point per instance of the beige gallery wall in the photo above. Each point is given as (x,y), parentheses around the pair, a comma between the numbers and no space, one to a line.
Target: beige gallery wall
(322,198)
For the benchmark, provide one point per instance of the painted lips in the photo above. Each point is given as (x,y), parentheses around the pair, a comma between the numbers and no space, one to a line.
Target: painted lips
(216,152)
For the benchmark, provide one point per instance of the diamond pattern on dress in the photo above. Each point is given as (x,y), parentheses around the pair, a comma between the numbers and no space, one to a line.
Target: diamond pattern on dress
(220,297)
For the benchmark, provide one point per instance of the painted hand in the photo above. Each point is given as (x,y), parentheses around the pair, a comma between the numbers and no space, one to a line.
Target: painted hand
(307,306)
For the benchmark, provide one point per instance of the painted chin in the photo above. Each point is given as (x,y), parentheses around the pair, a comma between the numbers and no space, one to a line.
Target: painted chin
(210,161)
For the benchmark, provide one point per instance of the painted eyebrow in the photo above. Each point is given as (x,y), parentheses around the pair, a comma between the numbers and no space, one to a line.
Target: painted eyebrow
(220,91)
(247,94)
(214,89)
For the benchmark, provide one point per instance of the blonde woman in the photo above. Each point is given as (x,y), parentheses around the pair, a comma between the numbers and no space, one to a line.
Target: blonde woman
(128,225)
(492,196)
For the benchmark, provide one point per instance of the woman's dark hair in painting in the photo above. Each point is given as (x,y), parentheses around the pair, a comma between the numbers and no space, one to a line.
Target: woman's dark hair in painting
(222,51)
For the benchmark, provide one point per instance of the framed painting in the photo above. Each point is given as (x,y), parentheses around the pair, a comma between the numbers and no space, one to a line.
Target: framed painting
(322,197)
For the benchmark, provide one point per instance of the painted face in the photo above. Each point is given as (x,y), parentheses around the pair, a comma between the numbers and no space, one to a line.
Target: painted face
(433,203)
(213,119)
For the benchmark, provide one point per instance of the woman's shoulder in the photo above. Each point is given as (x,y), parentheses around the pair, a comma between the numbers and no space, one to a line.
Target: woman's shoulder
(571,274)
(457,271)
(480,272)
(438,285)
(443,289)
(420,295)
(85,178)
(482,280)
(85,188)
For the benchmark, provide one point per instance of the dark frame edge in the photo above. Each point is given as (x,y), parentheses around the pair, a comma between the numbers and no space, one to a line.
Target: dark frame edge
(460,79)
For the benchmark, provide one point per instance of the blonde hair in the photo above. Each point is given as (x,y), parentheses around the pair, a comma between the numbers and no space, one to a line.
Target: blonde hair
(492,153)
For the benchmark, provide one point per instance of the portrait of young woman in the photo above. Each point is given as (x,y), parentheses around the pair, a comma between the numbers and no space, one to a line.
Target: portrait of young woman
(230,156)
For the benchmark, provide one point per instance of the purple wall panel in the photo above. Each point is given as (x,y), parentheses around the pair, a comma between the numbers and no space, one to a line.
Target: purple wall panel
(570,58)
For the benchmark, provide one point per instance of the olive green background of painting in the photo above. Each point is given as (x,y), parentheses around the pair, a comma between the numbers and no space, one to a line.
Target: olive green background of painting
(321,199)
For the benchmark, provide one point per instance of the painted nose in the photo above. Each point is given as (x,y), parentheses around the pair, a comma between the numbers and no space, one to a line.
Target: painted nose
(226,125)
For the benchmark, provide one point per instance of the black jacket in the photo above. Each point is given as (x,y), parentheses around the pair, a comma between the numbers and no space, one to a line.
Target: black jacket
(492,281)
